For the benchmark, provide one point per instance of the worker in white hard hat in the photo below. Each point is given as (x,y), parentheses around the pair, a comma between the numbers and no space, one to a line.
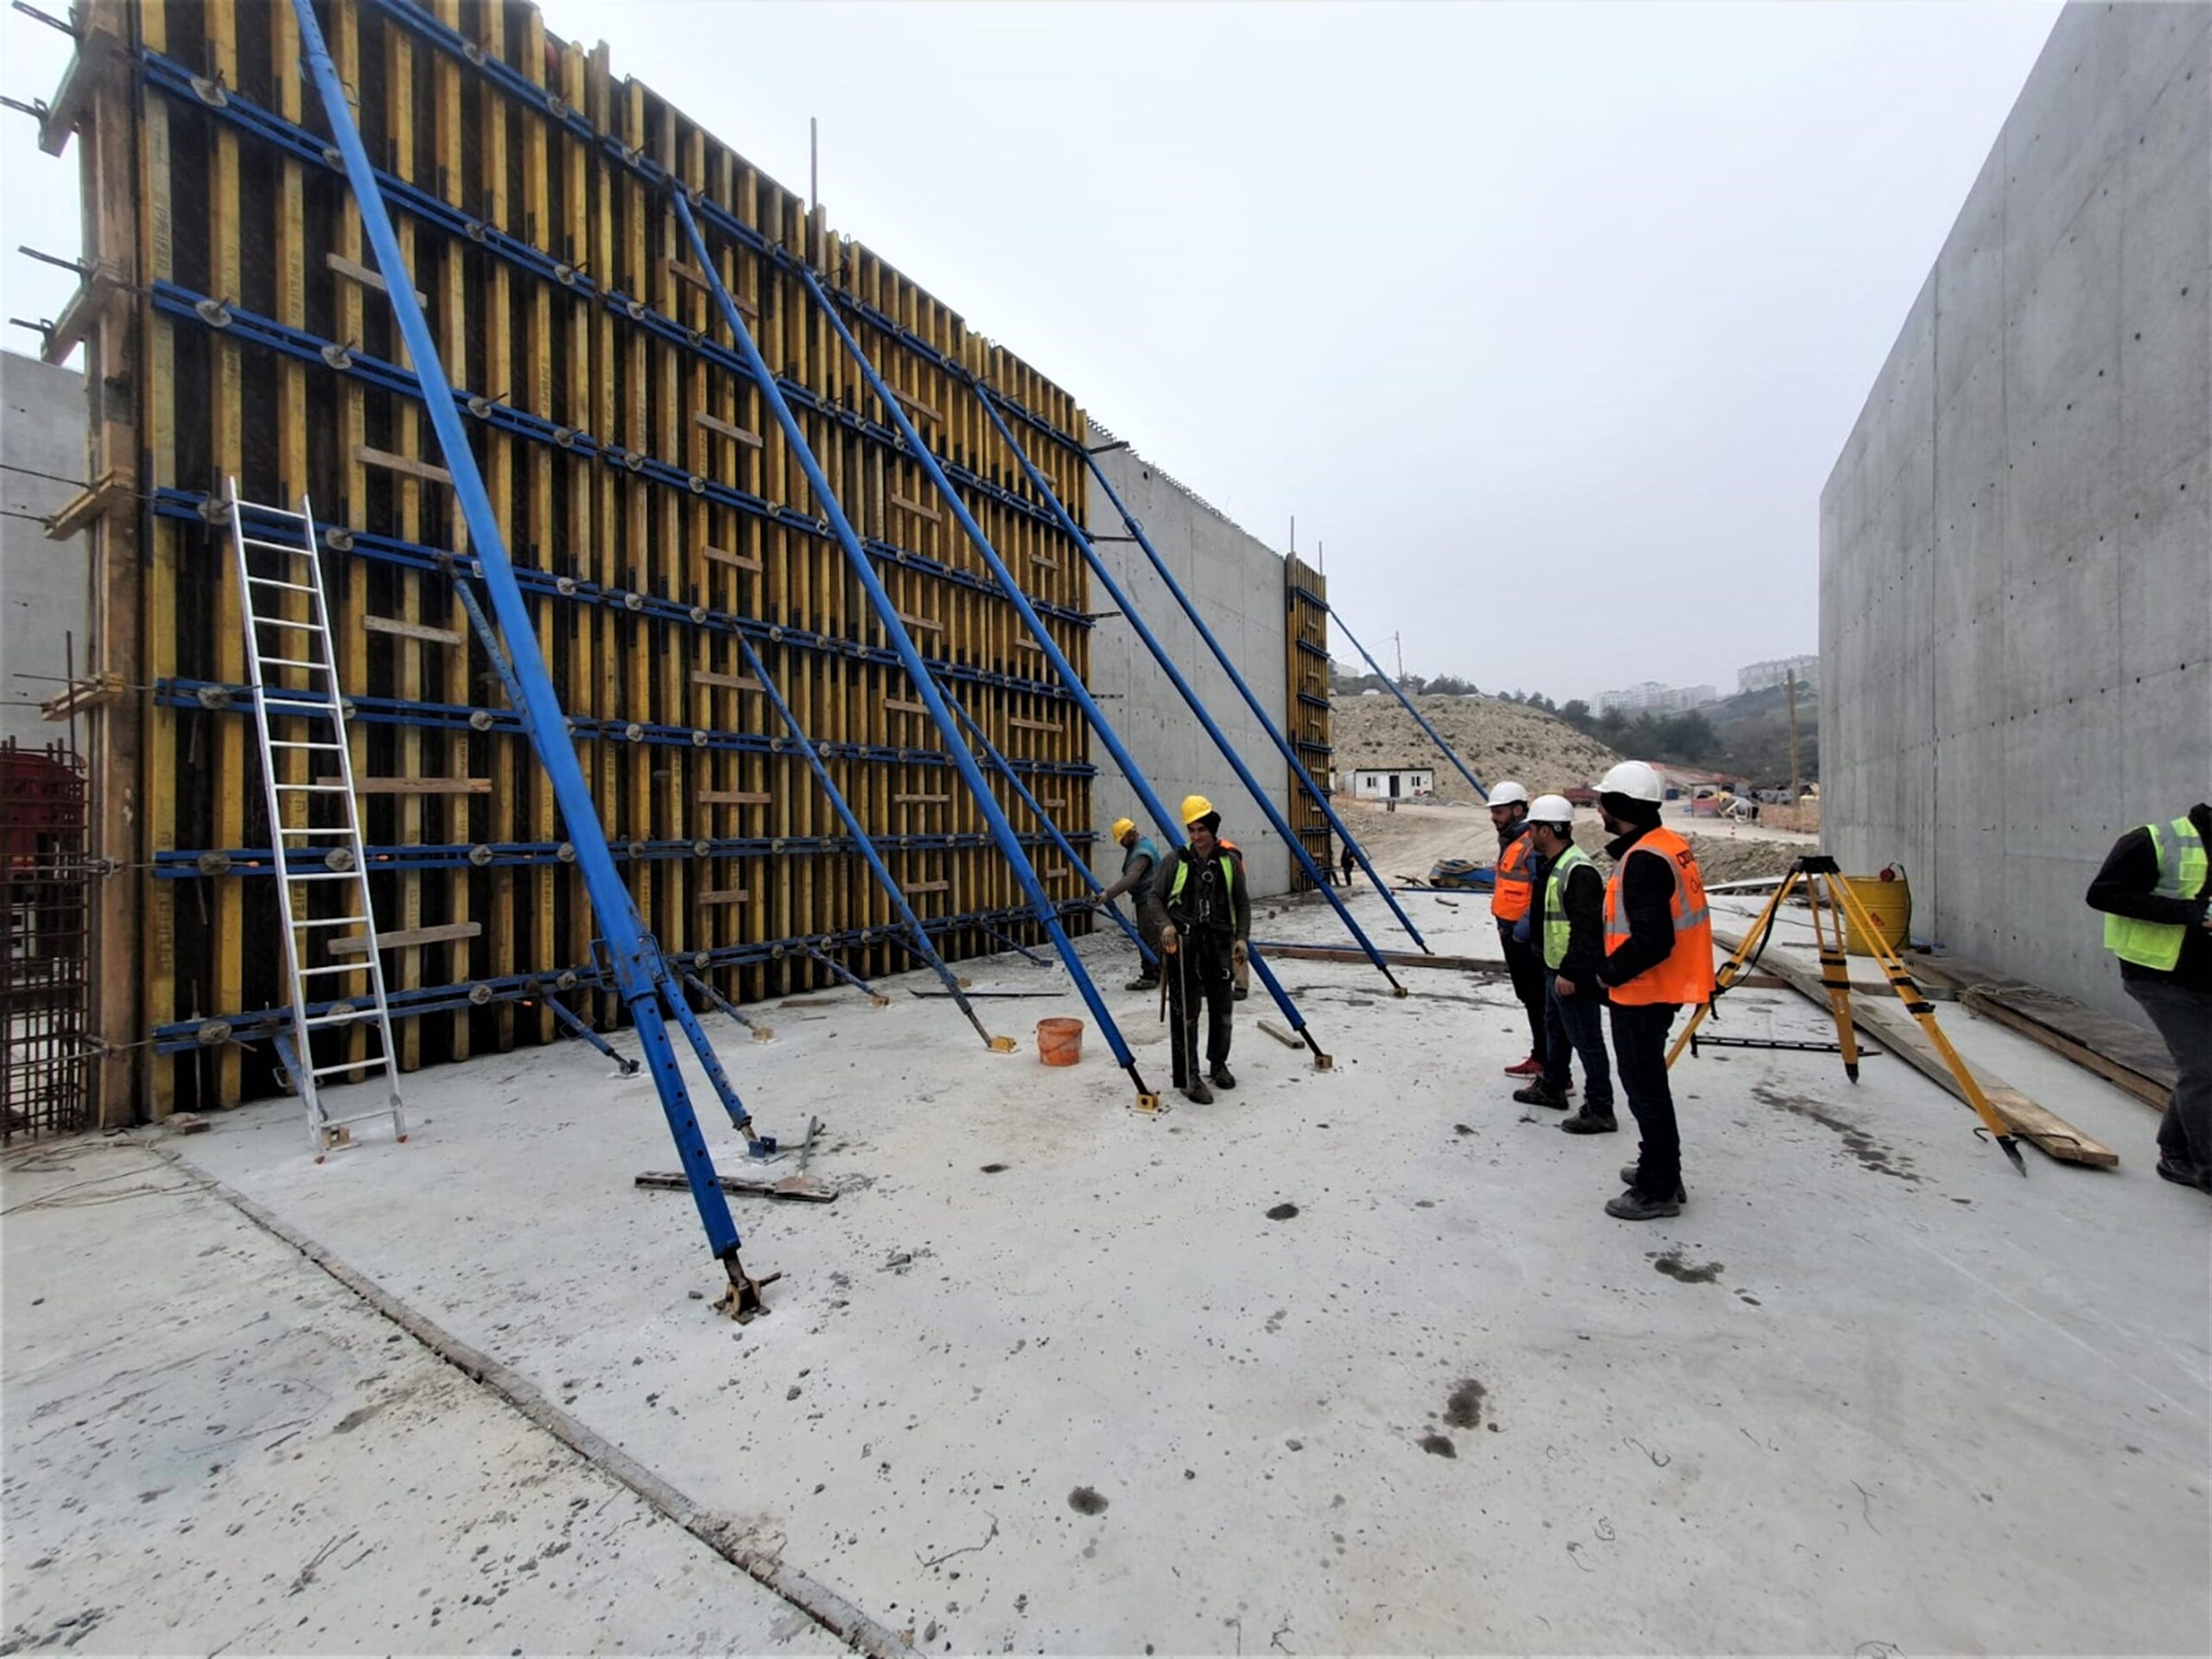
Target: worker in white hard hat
(1140,864)
(1512,897)
(1209,905)
(1570,915)
(1658,959)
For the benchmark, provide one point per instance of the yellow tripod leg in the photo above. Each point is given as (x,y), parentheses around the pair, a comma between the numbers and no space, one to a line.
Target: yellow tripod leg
(1734,967)
(1836,966)
(1918,1005)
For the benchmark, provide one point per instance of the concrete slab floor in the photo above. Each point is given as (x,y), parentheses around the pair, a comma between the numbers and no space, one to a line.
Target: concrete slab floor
(1049,1374)
(212,1444)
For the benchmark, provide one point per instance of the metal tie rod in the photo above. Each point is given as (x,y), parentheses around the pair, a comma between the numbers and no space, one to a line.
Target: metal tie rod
(1398,692)
(639,970)
(909,655)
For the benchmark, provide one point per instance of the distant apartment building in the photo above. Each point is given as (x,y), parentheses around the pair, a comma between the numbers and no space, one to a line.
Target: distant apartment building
(1653,698)
(1759,676)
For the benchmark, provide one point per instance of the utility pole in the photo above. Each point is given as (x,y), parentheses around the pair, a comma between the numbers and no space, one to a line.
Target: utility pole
(1398,644)
(1790,679)
(813,164)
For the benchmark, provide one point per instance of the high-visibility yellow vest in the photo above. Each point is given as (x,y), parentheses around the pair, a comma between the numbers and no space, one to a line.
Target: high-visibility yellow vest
(2182,873)
(1183,869)
(1556,931)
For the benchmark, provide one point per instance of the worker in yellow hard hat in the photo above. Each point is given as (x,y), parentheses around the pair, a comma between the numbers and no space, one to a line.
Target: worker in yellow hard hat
(1140,864)
(1209,904)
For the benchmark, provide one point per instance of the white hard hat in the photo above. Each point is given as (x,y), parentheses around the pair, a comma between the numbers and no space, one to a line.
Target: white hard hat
(1634,780)
(1507,793)
(1552,808)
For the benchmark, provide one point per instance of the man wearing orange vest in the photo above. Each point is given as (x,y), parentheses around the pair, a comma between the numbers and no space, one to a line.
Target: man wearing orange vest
(1658,958)
(1512,895)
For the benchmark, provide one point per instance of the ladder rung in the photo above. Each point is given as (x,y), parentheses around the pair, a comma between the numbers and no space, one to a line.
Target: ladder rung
(364,1117)
(324,1021)
(271,581)
(303,829)
(315,788)
(328,921)
(282,743)
(281,547)
(337,968)
(374,1062)
(321,875)
(293,662)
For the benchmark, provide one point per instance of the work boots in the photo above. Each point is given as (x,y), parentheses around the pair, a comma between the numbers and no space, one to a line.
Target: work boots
(1632,1205)
(1587,1121)
(1628,1179)
(1221,1076)
(1197,1093)
(1143,982)
(1541,1093)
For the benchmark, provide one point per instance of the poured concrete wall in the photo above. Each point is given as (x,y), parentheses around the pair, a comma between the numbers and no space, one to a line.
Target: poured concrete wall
(1236,582)
(42,584)
(2016,543)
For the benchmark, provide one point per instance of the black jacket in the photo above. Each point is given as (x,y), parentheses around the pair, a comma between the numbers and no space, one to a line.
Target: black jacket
(1202,904)
(2124,887)
(1584,900)
(1648,896)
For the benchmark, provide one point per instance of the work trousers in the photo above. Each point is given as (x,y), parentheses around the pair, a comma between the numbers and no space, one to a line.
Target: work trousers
(1198,974)
(2183,1018)
(1526,964)
(1576,1025)
(1640,1051)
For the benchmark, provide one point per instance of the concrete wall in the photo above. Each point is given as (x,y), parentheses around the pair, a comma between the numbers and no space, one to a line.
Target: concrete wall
(43,597)
(1236,582)
(2016,543)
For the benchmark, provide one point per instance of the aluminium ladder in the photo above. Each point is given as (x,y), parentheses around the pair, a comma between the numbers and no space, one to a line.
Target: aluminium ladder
(307,854)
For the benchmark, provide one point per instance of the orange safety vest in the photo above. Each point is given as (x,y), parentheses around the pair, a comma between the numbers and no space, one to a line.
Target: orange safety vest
(1513,889)
(1685,976)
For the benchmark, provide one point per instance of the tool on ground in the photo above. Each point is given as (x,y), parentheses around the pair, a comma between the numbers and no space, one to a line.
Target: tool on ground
(283,546)
(1832,904)
(640,973)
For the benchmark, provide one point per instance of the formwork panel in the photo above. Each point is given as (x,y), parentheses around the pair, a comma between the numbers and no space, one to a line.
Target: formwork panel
(654,511)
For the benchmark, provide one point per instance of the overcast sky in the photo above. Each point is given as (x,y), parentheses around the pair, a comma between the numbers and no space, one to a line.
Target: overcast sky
(1546,322)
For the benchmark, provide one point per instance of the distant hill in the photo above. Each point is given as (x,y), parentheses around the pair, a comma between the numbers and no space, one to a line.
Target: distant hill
(1496,738)
(1754,731)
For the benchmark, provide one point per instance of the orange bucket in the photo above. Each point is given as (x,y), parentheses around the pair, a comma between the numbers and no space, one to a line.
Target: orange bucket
(1060,1042)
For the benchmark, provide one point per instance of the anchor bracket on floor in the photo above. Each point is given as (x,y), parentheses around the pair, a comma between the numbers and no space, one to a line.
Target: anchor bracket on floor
(742,1300)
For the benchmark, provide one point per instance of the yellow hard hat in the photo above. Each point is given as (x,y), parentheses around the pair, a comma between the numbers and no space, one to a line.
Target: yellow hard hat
(1123,826)
(1195,807)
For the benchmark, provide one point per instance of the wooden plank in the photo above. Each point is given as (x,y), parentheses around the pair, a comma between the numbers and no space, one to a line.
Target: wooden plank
(736,561)
(919,800)
(2149,1082)
(905,706)
(912,887)
(922,623)
(733,798)
(917,405)
(1395,958)
(806,1189)
(1887,1022)
(728,682)
(421,631)
(409,465)
(728,428)
(367,276)
(920,508)
(723,895)
(1021,723)
(109,490)
(352,944)
(683,272)
(414,785)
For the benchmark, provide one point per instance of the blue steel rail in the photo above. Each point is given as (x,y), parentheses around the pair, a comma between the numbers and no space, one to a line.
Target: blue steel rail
(1434,736)
(925,686)
(640,975)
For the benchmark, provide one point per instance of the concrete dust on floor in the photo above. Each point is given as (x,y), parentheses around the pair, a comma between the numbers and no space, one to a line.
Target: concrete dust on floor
(211,1444)
(1347,1361)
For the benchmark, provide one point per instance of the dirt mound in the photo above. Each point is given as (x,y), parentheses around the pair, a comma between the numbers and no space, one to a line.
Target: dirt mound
(1497,740)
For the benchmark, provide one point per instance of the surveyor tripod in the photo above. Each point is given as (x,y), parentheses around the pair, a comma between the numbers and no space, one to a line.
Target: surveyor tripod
(1832,904)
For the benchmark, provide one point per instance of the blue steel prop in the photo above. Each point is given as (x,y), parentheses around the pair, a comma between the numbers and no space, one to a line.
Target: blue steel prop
(845,975)
(1159,654)
(570,1019)
(639,972)
(1037,808)
(714,999)
(883,876)
(1170,825)
(1434,736)
(918,672)
(1259,709)
(757,1147)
